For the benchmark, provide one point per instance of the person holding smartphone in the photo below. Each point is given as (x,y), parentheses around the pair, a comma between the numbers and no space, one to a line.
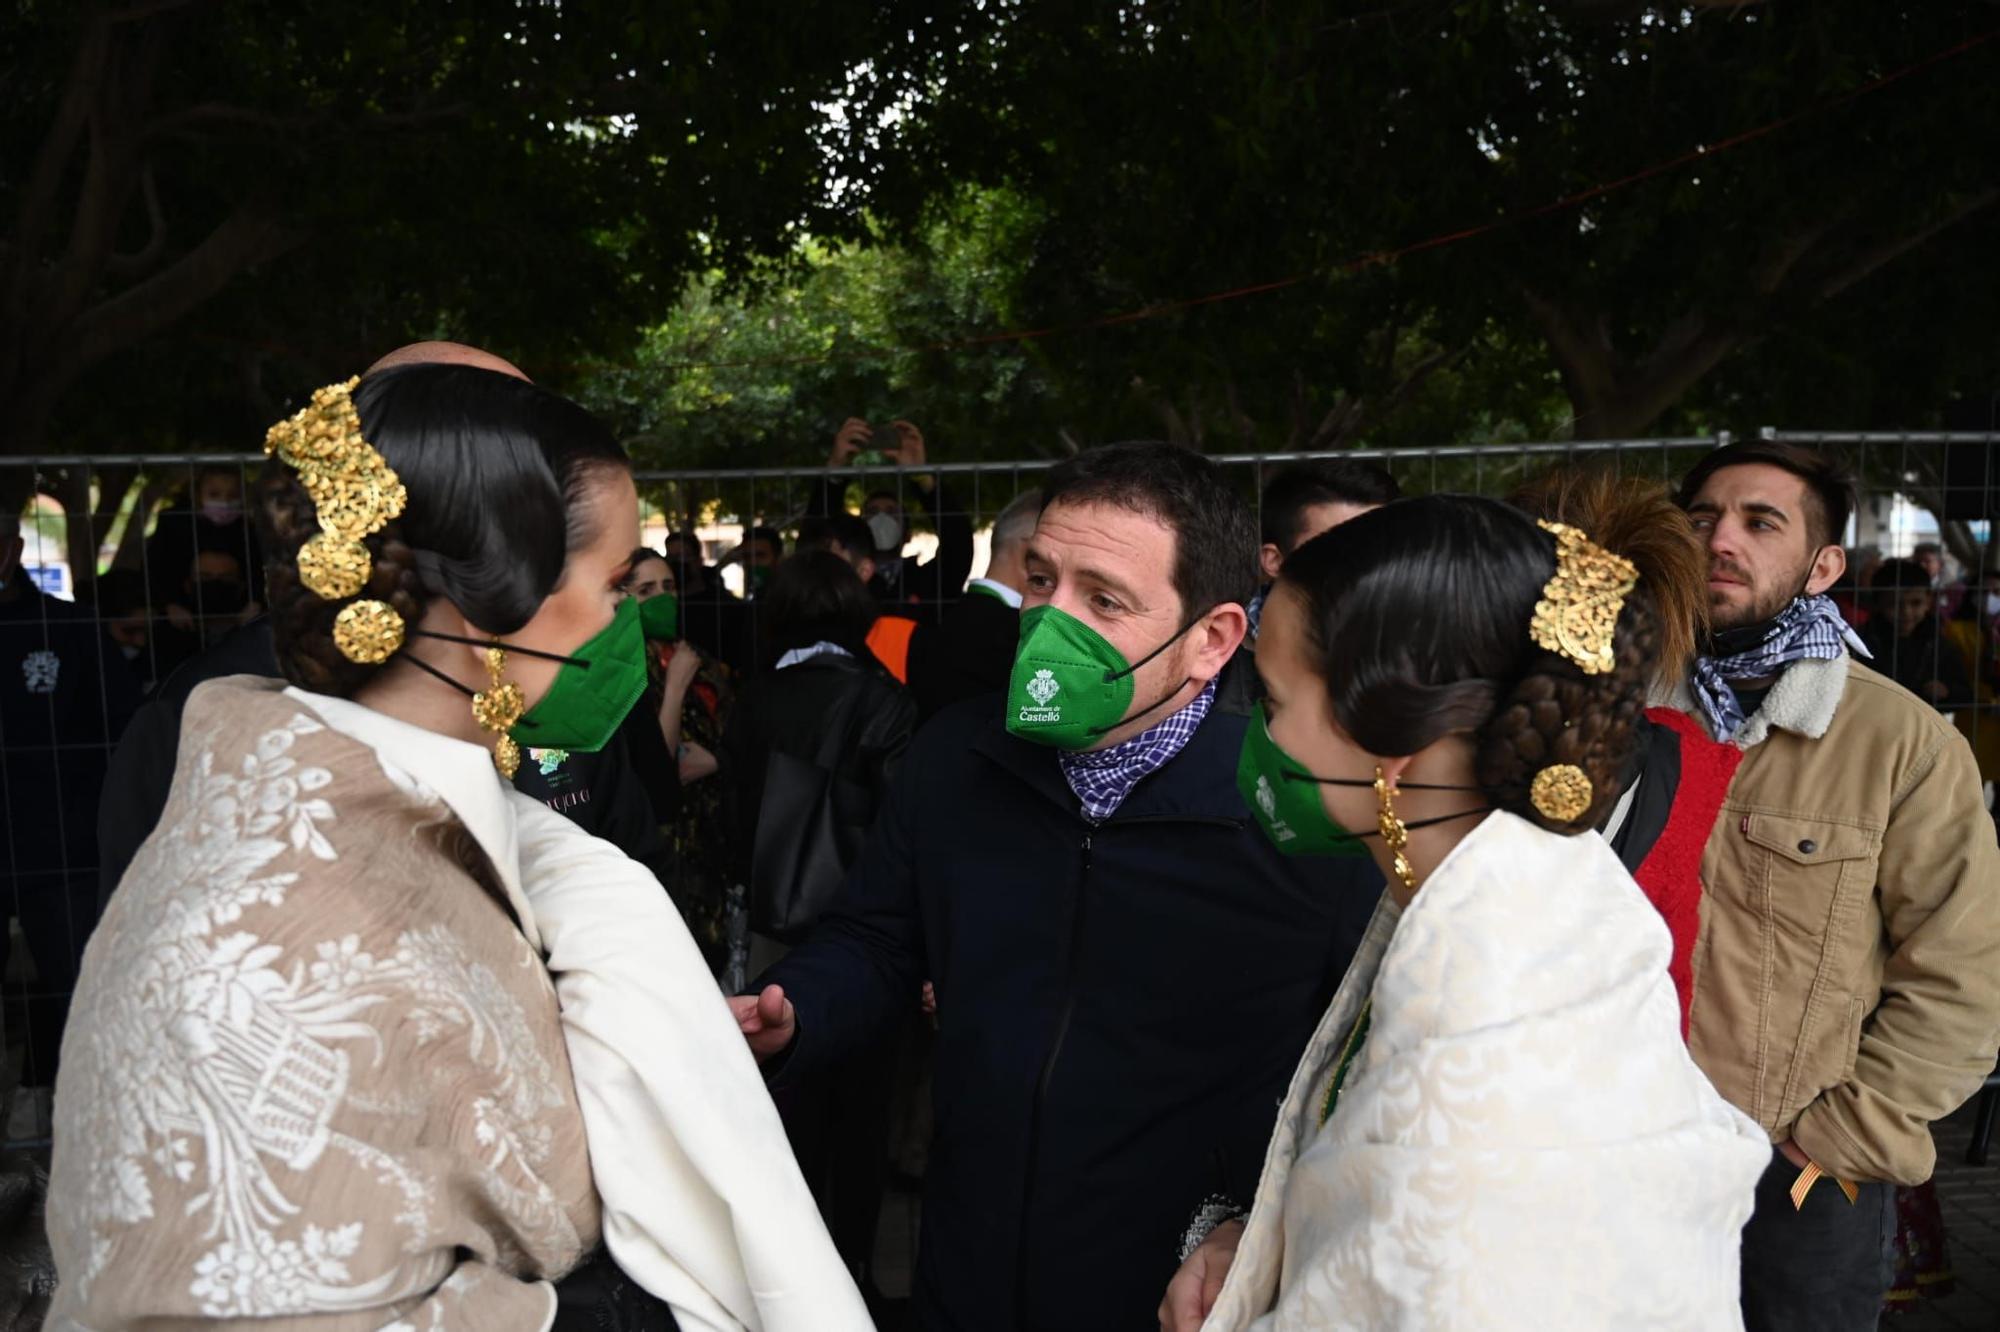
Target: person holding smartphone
(905,582)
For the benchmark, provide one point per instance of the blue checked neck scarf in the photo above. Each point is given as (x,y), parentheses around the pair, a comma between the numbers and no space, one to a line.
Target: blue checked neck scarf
(1101,779)
(1810,629)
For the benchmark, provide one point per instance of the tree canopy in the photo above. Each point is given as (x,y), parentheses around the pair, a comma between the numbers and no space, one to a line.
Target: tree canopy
(1191,146)
(728,232)
(218,203)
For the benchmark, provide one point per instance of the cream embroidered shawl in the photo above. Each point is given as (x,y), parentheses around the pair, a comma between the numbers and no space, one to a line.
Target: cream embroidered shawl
(1523,1141)
(313,1056)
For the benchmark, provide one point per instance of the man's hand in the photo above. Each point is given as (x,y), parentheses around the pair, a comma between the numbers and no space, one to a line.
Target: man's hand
(850,439)
(1192,1292)
(1793,1154)
(767,1021)
(910,452)
(909,446)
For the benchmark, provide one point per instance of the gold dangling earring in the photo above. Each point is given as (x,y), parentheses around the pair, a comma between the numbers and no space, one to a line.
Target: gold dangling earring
(497,709)
(1395,835)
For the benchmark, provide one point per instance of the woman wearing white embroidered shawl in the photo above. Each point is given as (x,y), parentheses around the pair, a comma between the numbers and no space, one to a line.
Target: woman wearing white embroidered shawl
(1496,1124)
(368,1040)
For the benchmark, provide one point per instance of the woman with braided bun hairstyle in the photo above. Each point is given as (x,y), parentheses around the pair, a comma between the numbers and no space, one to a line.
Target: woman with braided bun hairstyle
(1671,791)
(368,1038)
(1496,1124)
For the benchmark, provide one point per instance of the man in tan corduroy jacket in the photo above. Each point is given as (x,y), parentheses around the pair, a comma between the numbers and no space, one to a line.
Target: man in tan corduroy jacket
(1847,970)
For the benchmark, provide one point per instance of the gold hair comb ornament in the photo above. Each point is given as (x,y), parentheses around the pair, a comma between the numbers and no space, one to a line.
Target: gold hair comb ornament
(355,494)
(1561,793)
(1578,612)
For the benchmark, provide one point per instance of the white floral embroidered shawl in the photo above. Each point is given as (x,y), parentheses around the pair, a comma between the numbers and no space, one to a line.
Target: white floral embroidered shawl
(316,1074)
(1523,1141)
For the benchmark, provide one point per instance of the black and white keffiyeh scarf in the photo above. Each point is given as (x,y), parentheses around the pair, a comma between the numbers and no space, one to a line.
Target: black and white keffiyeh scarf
(1810,629)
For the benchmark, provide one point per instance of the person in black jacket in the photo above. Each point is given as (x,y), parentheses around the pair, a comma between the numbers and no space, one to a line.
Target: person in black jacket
(900,580)
(1126,970)
(968,650)
(65,693)
(806,762)
(1908,637)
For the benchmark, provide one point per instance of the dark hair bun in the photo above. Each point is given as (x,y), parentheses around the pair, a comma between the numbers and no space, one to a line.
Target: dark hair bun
(1420,614)
(496,469)
(1557,714)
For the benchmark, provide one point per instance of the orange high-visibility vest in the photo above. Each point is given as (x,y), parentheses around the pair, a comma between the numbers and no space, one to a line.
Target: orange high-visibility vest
(889,639)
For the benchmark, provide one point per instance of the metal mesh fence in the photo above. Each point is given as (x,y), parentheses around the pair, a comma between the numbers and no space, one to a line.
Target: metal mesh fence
(133,566)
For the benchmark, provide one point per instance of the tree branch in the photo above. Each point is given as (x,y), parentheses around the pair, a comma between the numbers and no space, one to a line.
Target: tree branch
(44,185)
(250,236)
(190,122)
(1890,251)
(137,262)
(192,118)
(111,170)
(1588,363)
(145,9)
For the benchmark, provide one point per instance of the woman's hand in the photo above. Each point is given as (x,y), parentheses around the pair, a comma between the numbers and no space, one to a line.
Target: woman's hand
(1192,1292)
(681,668)
(696,763)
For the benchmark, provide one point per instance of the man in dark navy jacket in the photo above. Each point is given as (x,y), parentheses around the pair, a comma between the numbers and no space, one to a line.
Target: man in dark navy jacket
(1126,970)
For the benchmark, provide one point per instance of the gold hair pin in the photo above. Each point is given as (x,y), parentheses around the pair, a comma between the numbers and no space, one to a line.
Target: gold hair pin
(1578,613)
(355,494)
(1561,793)
(1577,618)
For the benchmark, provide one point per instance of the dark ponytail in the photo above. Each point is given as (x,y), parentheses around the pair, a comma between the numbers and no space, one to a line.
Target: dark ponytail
(496,469)
(1418,613)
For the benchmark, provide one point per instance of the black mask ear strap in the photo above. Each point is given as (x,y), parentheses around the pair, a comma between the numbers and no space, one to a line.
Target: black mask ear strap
(423,665)
(504,647)
(459,685)
(1426,823)
(1135,666)
(1356,781)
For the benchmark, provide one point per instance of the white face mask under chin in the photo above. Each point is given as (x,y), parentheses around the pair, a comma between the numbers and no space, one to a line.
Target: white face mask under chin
(887,529)
(1993,605)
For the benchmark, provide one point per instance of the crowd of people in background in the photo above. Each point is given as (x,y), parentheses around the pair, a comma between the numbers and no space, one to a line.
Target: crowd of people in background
(1049,884)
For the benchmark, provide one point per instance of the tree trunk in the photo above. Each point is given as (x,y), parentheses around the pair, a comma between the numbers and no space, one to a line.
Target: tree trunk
(68,300)
(1612,396)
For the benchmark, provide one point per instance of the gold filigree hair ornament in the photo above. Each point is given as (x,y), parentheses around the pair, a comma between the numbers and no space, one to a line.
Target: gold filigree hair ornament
(1578,613)
(355,494)
(1577,618)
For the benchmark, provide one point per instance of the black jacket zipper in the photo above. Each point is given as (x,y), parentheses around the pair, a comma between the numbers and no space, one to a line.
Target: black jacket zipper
(1043,1079)
(1047,1074)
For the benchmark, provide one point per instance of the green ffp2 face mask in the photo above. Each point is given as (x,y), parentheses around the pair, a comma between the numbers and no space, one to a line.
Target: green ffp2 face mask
(1070,685)
(1284,798)
(660,618)
(592,693)
(1289,810)
(596,687)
